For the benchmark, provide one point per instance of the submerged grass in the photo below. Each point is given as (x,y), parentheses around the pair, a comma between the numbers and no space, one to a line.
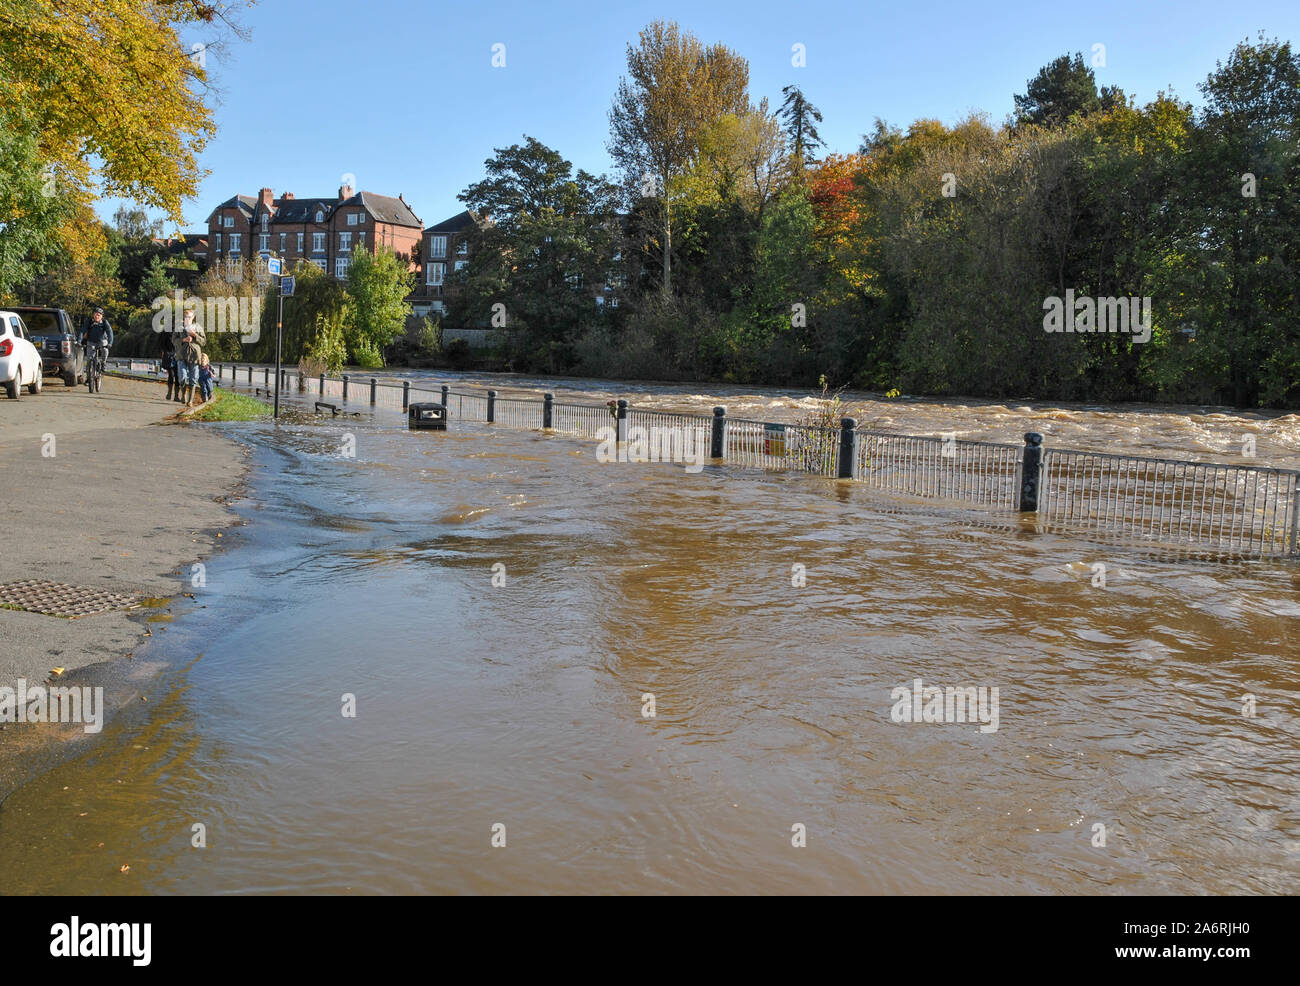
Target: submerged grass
(229,406)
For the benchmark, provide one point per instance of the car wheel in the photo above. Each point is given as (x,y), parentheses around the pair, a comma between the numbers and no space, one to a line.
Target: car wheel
(39,382)
(11,388)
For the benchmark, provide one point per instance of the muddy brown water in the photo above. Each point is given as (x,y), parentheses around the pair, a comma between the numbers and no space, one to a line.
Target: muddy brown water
(488,711)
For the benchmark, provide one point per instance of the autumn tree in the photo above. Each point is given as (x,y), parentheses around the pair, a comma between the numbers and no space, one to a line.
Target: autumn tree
(675,86)
(110,81)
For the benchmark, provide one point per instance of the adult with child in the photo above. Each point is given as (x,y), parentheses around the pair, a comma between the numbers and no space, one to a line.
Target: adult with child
(188,369)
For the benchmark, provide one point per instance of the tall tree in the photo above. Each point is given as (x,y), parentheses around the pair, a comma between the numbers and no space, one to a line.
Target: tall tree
(1063,88)
(801,118)
(675,86)
(537,267)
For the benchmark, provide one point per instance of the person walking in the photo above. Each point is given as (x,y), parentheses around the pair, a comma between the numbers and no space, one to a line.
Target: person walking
(186,328)
(168,345)
(189,369)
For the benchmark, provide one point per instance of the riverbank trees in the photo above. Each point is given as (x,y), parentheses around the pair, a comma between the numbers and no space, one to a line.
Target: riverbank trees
(925,260)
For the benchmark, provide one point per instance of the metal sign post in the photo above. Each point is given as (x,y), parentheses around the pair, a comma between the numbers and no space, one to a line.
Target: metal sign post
(273,269)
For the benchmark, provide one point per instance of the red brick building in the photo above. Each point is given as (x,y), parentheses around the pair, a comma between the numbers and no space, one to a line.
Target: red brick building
(445,250)
(323,231)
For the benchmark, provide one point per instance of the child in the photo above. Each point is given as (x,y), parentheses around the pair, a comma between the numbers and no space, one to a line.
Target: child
(206,378)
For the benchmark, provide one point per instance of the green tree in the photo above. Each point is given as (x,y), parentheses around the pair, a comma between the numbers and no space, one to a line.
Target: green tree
(31,210)
(801,118)
(675,86)
(1063,88)
(378,284)
(545,256)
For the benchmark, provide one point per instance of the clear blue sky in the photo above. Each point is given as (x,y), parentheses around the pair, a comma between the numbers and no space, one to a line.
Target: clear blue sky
(415,105)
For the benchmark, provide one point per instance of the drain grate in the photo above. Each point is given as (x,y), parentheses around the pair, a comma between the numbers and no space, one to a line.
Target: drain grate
(58,599)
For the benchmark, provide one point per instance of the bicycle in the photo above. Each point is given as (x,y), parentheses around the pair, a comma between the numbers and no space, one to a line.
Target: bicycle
(95,365)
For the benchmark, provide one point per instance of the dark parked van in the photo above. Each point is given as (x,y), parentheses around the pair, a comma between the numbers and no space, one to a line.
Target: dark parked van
(54,336)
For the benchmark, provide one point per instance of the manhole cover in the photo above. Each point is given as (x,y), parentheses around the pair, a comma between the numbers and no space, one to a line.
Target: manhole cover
(57,599)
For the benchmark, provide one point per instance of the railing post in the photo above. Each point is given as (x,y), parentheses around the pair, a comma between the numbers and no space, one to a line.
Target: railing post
(321,385)
(492,406)
(374,389)
(266,376)
(1031,474)
(848,448)
(445,391)
(718,445)
(548,410)
(250,374)
(406,394)
(345,386)
(621,425)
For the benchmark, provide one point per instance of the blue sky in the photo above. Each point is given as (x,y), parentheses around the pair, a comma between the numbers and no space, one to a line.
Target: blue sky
(419,106)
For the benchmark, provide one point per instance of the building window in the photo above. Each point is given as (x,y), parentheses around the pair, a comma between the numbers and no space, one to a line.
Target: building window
(319,263)
(228,220)
(341,268)
(361,240)
(318,243)
(437,246)
(265,219)
(361,218)
(234,242)
(218,243)
(462,264)
(345,242)
(320,216)
(462,248)
(283,239)
(264,241)
(300,243)
(436,273)
(352,218)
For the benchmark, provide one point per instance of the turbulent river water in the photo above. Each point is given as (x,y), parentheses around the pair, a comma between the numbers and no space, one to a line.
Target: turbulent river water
(502,607)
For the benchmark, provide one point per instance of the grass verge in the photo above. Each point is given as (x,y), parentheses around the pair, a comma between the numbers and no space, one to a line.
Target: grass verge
(229,406)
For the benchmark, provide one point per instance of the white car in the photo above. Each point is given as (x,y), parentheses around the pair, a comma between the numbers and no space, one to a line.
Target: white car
(20,363)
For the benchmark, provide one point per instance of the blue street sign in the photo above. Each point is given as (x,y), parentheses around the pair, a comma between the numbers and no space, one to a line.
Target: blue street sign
(273,266)
(286,287)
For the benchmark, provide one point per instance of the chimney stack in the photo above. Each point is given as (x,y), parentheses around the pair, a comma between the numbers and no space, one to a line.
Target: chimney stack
(345,192)
(288,196)
(267,198)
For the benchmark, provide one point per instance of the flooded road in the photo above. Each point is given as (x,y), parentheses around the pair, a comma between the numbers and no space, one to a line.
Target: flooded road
(504,610)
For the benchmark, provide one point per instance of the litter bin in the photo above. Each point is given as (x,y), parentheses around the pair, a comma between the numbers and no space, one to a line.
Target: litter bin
(427,417)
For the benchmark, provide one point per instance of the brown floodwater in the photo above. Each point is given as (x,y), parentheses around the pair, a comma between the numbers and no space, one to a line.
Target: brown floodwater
(770,616)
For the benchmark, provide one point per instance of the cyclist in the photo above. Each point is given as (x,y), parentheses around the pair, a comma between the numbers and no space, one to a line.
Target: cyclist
(96,334)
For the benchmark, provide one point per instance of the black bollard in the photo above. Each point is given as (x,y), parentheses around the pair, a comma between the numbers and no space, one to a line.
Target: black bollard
(548,410)
(719,432)
(492,406)
(1032,472)
(406,394)
(848,447)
